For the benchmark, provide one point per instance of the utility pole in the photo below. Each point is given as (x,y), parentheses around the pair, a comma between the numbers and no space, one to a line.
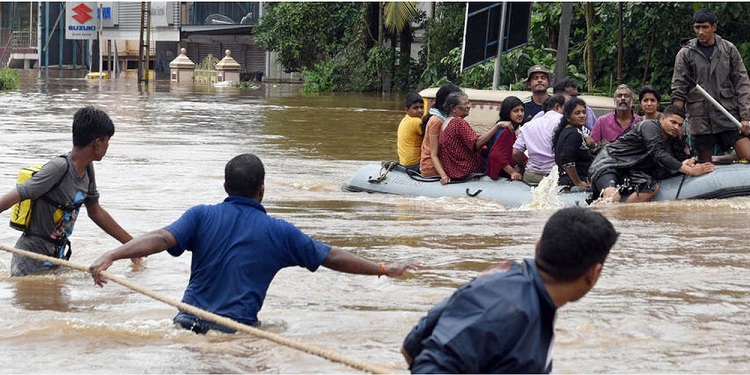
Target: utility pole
(563,41)
(619,44)
(99,39)
(500,47)
(143,49)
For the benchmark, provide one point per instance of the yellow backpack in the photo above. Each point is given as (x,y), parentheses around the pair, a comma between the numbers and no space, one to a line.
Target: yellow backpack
(20,214)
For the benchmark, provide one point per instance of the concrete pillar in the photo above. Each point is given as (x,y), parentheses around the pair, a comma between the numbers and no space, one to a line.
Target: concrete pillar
(181,69)
(228,69)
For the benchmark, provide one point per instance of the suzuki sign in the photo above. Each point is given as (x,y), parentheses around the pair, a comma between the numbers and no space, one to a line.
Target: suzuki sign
(81,20)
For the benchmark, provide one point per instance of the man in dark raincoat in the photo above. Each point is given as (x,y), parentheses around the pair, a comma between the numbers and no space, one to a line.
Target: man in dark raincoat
(650,151)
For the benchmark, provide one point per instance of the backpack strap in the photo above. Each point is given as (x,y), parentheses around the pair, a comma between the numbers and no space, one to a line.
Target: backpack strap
(49,200)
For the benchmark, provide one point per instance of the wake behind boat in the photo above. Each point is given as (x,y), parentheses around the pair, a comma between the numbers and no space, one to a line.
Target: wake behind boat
(725,182)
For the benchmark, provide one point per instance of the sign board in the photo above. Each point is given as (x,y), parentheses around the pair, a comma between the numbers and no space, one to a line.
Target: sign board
(109,14)
(80,20)
(159,13)
(482,30)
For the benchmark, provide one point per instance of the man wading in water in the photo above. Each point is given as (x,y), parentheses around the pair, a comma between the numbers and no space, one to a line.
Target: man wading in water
(237,249)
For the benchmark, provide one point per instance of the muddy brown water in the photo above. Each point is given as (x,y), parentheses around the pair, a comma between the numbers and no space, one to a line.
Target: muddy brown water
(673,296)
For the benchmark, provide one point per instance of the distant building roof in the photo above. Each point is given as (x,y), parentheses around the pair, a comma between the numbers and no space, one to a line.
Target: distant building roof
(217,29)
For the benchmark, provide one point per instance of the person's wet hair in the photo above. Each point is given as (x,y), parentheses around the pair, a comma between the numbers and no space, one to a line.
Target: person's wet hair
(573,240)
(412,98)
(624,86)
(560,87)
(90,124)
(568,109)
(453,100)
(553,100)
(674,110)
(440,97)
(648,89)
(244,175)
(705,15)
(443,93)
(507,105)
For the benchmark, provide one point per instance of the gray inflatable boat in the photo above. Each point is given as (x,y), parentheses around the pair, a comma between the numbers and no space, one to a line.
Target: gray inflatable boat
(726,181)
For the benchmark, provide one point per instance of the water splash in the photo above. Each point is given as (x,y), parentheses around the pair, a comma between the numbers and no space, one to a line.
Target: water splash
(546,194)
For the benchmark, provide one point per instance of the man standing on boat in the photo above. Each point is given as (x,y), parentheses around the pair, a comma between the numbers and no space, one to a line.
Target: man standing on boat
(716,65)
(649,152)
(538,80)
(612,125)
(237,249)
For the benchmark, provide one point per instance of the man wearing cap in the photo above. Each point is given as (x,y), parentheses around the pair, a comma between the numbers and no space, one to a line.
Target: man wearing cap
(538,80)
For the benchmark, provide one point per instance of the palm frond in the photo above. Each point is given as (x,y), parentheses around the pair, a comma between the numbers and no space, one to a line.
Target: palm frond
(398,15)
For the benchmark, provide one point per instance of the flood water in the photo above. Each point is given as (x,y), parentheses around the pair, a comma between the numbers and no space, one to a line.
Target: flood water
(673,297)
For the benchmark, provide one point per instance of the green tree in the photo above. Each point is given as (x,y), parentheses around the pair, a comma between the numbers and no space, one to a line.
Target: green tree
(9,79)
(306,33)
(443,33)
(398,19)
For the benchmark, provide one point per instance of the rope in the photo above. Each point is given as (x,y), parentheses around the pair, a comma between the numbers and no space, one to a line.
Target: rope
(226,322)
(680,188)
(385,167)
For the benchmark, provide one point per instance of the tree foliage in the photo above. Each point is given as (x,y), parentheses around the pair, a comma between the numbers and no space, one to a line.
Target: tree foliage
(443,33)
(652,35)
(305,33)
(9,79)
(340,54)
(398,15)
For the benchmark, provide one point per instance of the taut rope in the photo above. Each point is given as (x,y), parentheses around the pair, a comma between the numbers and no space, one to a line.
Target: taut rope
(226,322)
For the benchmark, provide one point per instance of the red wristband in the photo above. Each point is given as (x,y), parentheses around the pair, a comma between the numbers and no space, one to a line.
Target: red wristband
(382,269)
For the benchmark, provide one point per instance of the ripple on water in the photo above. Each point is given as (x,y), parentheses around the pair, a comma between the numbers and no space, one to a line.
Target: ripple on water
(672,296)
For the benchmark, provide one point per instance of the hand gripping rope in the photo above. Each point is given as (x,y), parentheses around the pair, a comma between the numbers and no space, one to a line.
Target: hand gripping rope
(226,322)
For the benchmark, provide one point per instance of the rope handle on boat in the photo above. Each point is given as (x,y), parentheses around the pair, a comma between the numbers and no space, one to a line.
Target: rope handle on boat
(416,176)
(385,167)
(679,189)
(474,194)
(226,322)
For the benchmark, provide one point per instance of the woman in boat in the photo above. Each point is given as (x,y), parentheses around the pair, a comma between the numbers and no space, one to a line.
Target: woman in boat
(572,155)
(459,145)
(500,159)
(649,99)
(429,163)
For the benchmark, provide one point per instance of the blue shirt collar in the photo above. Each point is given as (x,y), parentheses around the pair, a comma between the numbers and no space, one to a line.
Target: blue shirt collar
(238,199)
(539,283)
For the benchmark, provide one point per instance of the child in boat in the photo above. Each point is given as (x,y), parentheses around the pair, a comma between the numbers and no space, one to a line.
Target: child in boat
(410,132)
(500,159)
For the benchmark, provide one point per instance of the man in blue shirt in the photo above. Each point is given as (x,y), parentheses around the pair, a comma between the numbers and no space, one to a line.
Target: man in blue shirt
(237,249)
(503,321)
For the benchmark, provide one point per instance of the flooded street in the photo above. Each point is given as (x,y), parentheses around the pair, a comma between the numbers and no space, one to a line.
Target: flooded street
(674,295)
